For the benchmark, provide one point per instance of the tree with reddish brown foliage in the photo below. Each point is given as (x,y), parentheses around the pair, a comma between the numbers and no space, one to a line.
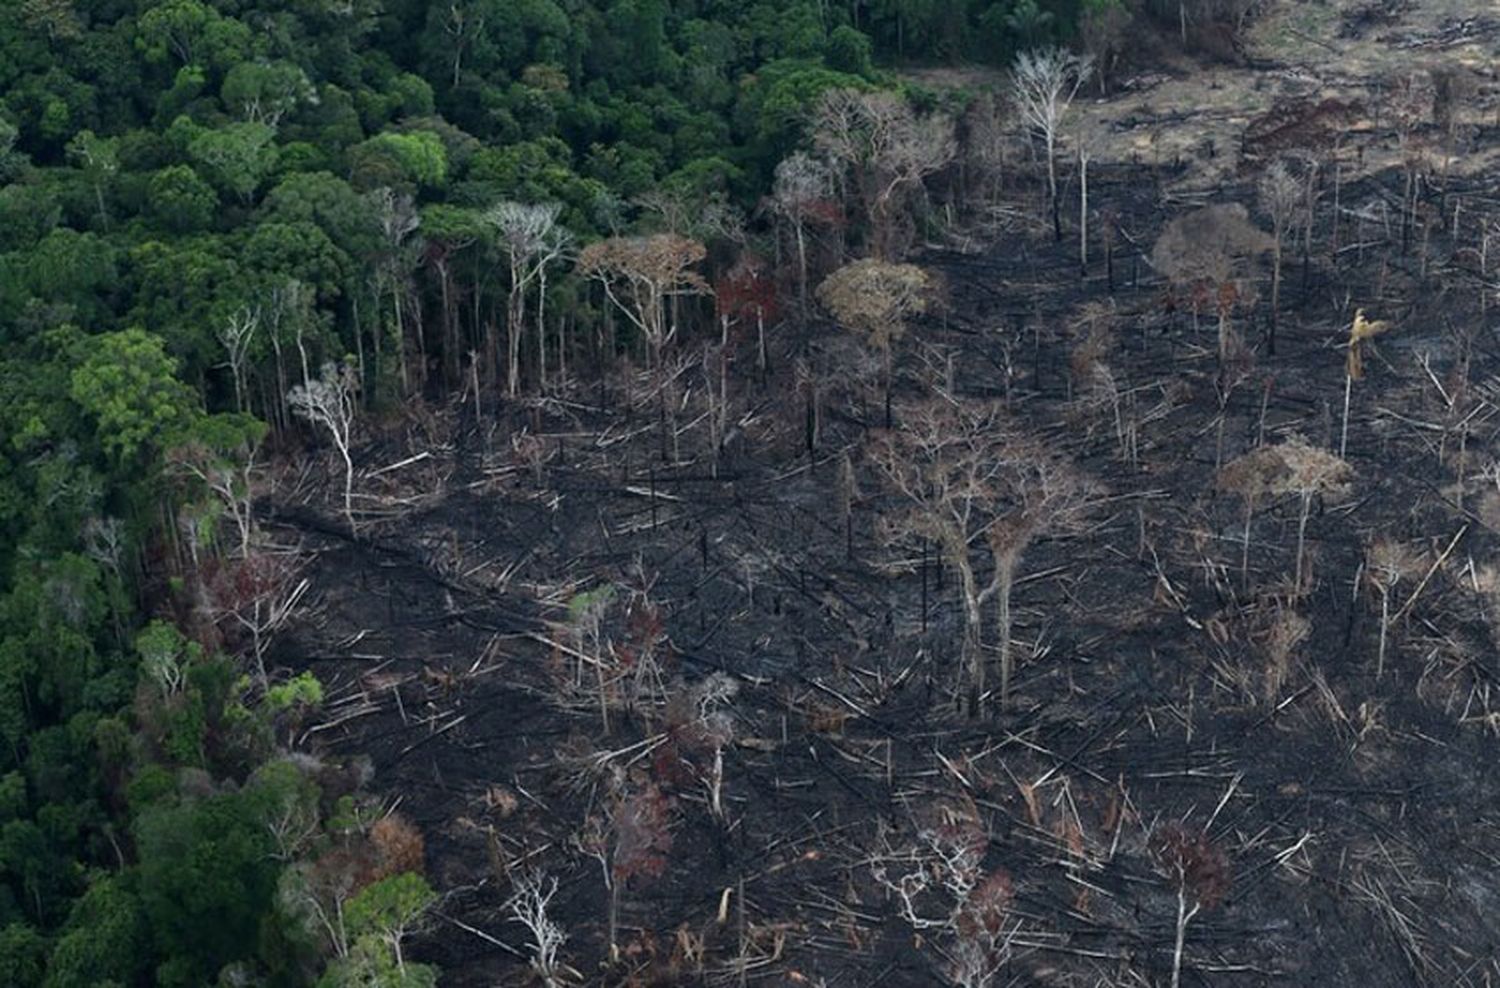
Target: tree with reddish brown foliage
(1200,872)
(642,838)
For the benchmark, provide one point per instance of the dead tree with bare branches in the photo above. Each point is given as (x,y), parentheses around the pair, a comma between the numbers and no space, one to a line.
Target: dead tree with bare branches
(532,241)
(1043,85)
(886,150)
(328,401)
(969,480)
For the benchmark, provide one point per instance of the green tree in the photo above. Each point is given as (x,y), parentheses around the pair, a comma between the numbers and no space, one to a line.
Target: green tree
(126,383)
(237,157)
(389,910)
(105,940)
(180,201)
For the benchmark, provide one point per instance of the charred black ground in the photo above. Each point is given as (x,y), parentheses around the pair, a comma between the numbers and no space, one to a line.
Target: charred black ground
(1359,817)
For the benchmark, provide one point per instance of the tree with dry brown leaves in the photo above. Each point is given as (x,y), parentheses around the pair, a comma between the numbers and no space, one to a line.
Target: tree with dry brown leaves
(875,299)
(1199,871)
(1204,251)
(1280,198)
(641,274)
(1294,467)
(976,486)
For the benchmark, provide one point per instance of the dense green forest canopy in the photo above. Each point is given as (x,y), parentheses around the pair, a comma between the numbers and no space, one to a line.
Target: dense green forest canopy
(203,202)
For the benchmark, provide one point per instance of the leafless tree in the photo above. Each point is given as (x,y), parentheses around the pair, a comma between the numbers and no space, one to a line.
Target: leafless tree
(1199,872)
(531,893)
(236,334)
(328,401)
(1043,83)
(396,215)
(939,885)
(987,144)
(1103,29)
(1409,101)
(968,478)
(803,187)
(886,150)
(876,298)
(1294,467)
(1088,137)
(1387,563)
(1280,197)
(229,473)
(532,241)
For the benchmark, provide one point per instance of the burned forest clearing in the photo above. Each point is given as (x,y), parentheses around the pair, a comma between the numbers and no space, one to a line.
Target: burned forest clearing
(634,493)
(1021,623)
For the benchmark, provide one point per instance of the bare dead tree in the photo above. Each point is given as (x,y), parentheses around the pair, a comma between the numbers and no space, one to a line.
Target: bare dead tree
(1409,101)
(1280,197)
(222,458)
(802,190)
(1204,251)
(1294,467)
(969,479)
(1387,563)
(1088,137)
(987,143)
(235,335)
(1043,84)
(1104,28)
(531,894)
(396,215)
(1199,873)
(885,149)
(532,241)
(937,880)
(875,299)
(328,401)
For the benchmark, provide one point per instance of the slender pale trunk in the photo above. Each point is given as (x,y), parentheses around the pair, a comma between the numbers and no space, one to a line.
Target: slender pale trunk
(1184,916)
(614,918)
(516,313)
(400,338)
(801,262)
(348,484)
(1083,212)
(1385,620)
(973,645)
(1301,539)
(1052,186)
(1006,566)
(1344,430)
(541,325)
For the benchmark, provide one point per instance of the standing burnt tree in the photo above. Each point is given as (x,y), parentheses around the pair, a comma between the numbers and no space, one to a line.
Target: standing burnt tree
(885,151)
(802,194)
(531,239)
(974,485)
(1205,254)
(1199,873)
(875,299)
(640,274)
(1043,84)
(1281,197)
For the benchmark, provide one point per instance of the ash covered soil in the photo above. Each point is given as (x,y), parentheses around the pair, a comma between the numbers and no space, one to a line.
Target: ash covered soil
(1349,807)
